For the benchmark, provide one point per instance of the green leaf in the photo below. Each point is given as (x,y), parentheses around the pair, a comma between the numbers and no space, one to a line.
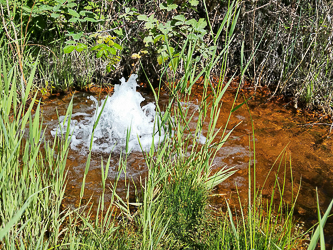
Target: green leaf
(117,46)
(73,13)
(69,48)
(111,50)
(55,15)
(119,32)
(57,7)
(159,37)
(159,60)
(148,39)
(318,233)
(71,5)
(240,105)
(4,230)
(192,36)
(73,20)
(80,47)
(152,18)
(172,7)
(192,22)
(100,53)
(142,18)
(180,18)
(198,26)
(233,25)
(172,50)
(98,46)
(26,9)
(173,63)
(165,29)
(149,25)
(168,7)
(76,36)
(162,58)
(193,2)
(201,23)
(87,13)
(89,19)
(45,8)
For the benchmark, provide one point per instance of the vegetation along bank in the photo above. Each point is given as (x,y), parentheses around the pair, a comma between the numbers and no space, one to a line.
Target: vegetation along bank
(52,46)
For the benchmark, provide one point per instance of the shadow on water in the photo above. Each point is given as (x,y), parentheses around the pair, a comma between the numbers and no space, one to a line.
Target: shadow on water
(310,147)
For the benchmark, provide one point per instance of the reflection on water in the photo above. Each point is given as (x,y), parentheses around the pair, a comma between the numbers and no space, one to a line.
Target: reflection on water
(276,127)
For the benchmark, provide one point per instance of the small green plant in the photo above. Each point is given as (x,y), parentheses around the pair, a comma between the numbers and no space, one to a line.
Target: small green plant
(105,48)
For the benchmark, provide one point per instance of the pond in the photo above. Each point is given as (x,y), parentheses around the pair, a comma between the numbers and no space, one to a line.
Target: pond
(276,127)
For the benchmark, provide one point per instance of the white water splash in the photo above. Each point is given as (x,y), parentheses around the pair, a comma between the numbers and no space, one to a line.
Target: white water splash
(122,115)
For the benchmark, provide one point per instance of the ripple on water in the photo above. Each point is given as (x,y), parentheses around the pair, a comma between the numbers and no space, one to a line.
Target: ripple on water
(276,128)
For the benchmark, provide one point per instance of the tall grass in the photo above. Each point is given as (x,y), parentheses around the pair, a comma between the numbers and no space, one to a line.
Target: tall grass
(171,210)
(32,182)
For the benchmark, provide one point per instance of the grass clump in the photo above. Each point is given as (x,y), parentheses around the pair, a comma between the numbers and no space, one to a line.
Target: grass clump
(185,204)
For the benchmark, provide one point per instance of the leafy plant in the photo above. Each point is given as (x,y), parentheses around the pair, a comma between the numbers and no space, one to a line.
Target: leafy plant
(178,27)
(105,49)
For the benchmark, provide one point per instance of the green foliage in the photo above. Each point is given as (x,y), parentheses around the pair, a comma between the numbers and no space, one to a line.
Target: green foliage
(42,17)
(67,16)
(185,204)
(178,27)
(293,53)
(105,49)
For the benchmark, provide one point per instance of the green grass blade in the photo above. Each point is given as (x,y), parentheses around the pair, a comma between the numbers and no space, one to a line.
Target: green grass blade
(316,235)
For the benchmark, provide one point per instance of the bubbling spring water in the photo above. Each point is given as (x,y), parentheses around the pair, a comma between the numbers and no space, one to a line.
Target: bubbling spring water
(122,116)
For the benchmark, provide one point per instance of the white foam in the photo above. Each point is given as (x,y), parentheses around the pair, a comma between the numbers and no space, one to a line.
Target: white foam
(122,114)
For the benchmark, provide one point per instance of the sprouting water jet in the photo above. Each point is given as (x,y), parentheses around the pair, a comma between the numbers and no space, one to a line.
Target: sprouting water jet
(122,118)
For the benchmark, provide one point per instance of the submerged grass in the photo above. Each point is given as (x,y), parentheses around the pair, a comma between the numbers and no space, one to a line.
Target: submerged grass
(171,210)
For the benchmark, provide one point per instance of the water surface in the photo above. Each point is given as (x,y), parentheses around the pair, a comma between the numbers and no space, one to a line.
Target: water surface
(276,127)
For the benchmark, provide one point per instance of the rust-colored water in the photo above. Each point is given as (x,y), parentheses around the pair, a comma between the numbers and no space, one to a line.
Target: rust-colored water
(310,149)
